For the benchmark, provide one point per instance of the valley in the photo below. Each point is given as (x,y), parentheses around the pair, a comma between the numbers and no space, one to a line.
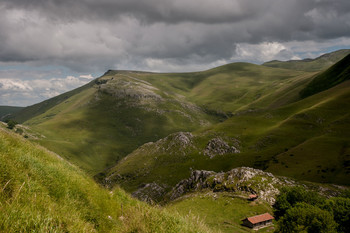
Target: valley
(195,143)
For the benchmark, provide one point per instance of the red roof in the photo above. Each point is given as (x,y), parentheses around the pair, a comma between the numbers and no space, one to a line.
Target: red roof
(260,218)
(253,196)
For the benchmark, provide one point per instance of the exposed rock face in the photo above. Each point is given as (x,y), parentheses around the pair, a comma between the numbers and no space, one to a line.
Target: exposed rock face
(123,88)
(150,193)
(242,180)
(197,181)
(217,146)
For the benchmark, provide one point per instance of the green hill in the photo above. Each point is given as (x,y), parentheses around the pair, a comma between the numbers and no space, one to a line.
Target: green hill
(95,126)
(125,126)
(7,111)
(306,139)
(317,64)
(40,192)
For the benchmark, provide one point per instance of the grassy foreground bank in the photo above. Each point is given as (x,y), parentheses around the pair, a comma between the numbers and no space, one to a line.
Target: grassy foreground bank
(40,192)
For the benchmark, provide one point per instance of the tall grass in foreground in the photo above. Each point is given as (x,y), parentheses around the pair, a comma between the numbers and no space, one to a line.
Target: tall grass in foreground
(40,192)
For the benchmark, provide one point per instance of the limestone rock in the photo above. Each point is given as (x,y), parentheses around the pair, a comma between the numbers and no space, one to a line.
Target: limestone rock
(218,146)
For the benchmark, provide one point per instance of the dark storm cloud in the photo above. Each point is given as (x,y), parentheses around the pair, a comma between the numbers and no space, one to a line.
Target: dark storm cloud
(96,35)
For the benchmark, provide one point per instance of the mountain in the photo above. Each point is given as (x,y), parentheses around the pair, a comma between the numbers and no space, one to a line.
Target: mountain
(7,111)
(41,192)
(136,128)
(311,65)
(95,126)
(302,138)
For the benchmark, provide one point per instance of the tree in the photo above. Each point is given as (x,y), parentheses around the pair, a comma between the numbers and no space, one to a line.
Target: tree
(306,218)
(340,207)
(290,196)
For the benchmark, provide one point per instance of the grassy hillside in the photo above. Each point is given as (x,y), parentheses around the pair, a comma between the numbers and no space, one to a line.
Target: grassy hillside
(336,74)
(100,123)
(221,211)
(40,192)
(307,140)
(8,110)
(40,108)
(317,64)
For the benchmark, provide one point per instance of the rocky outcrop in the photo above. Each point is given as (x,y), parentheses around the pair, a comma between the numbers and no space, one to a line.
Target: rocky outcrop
(197,181)
(176,143)
(242,180)
(150,193)
(217,146)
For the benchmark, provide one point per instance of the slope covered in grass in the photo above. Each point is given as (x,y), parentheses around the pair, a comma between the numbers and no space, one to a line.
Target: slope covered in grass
(221,211)
(336,74)
(40,192)
(307,140)
(311,65)
(8,111)
(99,124)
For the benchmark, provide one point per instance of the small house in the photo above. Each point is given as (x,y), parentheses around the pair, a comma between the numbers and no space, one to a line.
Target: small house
(258,221)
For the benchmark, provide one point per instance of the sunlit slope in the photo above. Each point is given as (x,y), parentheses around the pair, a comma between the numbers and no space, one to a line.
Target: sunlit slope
(317,64)
(227,88)
(308,140)
(40,108)
(99,125)
(40,192)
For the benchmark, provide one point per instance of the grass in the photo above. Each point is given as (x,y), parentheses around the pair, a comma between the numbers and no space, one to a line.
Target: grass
(95,126)
(40,192)
(221,211)
(307,140)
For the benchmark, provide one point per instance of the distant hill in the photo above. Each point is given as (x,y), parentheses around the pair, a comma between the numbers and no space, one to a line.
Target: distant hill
(7,111)
(338,73)
(311,65)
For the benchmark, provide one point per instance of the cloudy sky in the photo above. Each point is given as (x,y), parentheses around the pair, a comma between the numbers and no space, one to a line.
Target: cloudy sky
(50,46)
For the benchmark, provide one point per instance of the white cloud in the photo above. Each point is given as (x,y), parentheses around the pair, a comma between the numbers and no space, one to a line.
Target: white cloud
(86,76)
(26,92)
(263,52)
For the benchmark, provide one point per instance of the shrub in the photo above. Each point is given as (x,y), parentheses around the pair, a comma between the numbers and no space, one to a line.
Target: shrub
(11,124)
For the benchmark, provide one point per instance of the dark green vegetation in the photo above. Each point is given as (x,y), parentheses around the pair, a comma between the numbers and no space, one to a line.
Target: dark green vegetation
(40,192)
(256,109)
(11,124)
(335,75)
(7,111)
(316,64)
(299,210)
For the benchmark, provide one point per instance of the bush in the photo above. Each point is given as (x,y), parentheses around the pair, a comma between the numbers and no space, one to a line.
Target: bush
(11,124)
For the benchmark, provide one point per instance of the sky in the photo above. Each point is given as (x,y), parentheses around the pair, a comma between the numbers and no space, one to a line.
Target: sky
(48,47)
